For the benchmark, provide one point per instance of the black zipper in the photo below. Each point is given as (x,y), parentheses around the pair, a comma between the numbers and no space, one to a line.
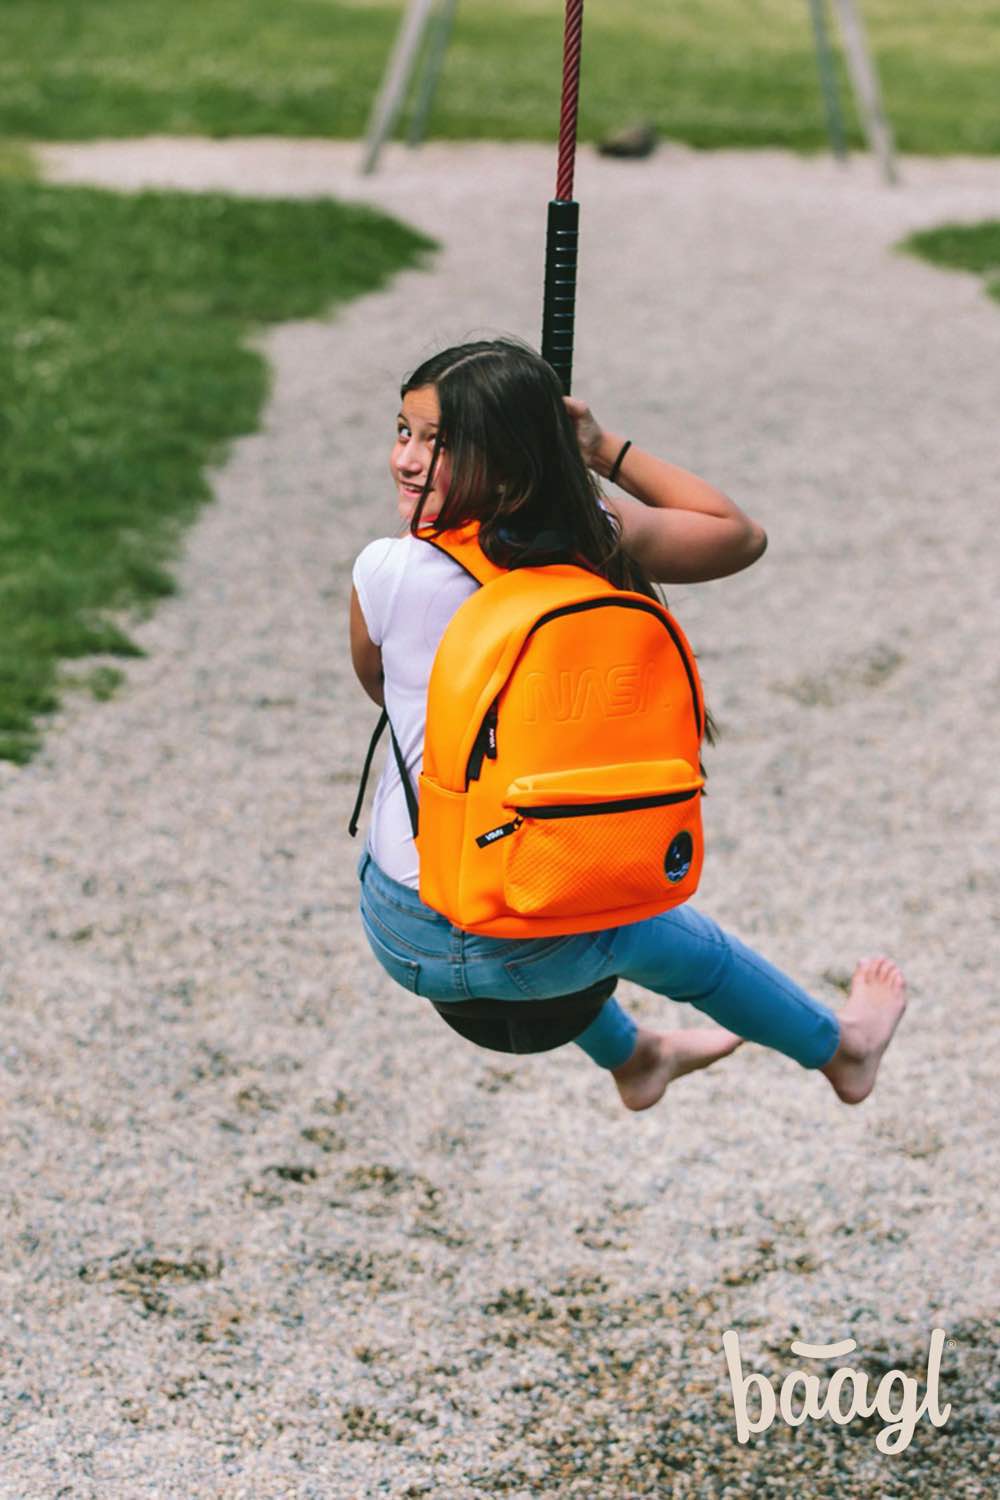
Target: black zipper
(621,804)
(485,745)
(578,810)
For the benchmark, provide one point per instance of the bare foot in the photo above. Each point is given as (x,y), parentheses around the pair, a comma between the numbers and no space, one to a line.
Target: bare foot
(660,1057)
(867,1022)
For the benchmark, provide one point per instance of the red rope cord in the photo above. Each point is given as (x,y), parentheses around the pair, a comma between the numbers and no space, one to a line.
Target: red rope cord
(572,43)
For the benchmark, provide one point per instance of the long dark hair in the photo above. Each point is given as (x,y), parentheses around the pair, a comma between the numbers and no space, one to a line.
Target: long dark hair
(516,465)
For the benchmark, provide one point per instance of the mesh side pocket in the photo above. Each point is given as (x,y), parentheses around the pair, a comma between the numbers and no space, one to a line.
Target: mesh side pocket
(569,866)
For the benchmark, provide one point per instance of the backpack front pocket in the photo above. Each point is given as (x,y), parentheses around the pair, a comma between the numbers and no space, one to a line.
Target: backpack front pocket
(601,838)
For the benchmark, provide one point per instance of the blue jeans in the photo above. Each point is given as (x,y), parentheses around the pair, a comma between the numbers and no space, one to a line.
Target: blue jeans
(680,953)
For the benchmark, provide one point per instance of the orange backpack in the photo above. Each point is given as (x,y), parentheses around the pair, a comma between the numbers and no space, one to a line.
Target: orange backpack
(560,789)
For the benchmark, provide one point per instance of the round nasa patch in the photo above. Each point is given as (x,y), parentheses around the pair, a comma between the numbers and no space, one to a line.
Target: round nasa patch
(678,857)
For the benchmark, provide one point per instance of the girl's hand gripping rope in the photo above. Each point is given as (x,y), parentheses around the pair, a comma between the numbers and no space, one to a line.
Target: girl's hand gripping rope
(678,527)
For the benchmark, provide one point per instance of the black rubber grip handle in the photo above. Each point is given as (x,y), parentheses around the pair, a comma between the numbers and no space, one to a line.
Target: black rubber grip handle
(559,309)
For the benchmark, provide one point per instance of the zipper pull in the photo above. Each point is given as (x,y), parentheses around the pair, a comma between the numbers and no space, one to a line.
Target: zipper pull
(475,766)
(485,747)
(502,832)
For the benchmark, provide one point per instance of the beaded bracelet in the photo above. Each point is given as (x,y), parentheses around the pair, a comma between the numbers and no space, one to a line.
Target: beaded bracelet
(613,471)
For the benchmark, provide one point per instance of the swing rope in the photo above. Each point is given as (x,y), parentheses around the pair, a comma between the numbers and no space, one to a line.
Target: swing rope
(559,308)
(572,47)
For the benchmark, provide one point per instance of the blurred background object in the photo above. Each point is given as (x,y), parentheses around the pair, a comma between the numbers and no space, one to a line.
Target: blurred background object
(632,140)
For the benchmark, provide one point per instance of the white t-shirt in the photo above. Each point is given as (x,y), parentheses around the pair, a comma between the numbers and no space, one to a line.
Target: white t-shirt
(408,591)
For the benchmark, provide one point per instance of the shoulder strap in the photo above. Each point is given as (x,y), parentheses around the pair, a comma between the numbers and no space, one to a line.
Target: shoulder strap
(462,544)
(412,806)
(352,826)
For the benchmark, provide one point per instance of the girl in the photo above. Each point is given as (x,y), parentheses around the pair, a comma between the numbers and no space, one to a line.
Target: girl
(485,434)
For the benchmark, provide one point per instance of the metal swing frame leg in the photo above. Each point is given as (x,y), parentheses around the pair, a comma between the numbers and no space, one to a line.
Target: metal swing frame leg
(828,80)
(396,81)
(437,47)
(865,83)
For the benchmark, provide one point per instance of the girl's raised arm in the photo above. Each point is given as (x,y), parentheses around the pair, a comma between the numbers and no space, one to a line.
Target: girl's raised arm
(679,528)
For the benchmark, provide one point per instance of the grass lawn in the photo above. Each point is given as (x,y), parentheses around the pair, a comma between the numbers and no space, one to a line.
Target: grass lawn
(710,72)
(123,323)
(962,247)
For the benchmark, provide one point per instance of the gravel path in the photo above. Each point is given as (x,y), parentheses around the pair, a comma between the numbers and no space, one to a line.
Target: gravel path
(271,1229)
